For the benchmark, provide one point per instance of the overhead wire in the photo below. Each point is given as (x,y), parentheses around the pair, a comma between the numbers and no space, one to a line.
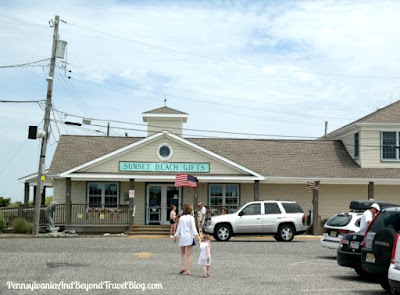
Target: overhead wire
(213,103)
(22,101)
(217,59)
(213,95)
(13,156)
(186,129)
(78,100)
(25,64)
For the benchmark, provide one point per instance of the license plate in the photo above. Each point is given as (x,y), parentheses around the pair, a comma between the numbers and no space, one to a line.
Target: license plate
(370,257)
(333,234)
(355,245)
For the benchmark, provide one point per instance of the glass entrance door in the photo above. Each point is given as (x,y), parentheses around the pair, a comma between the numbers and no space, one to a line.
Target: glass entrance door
(154,195)
(160,197)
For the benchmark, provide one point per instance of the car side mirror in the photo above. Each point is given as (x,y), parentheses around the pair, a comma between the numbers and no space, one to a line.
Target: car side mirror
(241,213)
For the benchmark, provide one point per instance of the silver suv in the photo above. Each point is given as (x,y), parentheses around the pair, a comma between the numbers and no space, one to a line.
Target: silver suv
(282,219)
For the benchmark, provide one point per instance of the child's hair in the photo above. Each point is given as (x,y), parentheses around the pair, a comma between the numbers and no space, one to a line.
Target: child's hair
(207,238)
(173,207)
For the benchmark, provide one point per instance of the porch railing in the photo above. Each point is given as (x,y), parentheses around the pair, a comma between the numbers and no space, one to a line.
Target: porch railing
(28,213)
(82,214)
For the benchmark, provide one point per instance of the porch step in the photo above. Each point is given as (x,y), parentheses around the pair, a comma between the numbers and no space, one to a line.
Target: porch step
(150,230)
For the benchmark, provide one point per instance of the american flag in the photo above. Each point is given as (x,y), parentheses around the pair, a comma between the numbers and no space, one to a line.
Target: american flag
(185,180)
(312,186)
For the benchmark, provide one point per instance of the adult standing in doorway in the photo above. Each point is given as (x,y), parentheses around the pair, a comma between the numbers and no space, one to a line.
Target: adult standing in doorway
(369,215)
(203,213)
(186,232)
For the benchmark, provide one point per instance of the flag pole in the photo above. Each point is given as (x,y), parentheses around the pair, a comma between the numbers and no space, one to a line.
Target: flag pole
(196,205)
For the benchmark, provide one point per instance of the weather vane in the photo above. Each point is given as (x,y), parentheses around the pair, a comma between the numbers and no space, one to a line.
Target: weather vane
(165,100)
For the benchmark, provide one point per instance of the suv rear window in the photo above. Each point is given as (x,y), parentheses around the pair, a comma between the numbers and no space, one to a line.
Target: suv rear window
(339,220)
(272,208)
(390,219)
(292,208)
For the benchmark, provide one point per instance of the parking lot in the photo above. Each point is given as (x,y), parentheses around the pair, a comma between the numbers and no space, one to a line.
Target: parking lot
(241,266)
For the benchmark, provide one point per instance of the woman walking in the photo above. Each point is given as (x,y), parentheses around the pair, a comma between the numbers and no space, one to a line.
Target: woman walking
(186,232)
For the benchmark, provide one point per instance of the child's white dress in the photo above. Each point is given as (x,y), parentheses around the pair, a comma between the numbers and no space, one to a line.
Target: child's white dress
(203,259)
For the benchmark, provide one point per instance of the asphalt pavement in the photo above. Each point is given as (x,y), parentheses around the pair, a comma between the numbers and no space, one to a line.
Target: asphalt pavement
(107,265)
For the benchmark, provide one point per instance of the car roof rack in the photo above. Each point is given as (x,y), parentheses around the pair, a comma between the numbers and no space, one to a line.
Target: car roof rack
(362,205)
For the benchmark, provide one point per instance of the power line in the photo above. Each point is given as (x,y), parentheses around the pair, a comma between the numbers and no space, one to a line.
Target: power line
(22,101)
(213,95)
(74,94)
(12,158)
(25,64)
(209,102)
(189,129)
(294,138)
(217,59)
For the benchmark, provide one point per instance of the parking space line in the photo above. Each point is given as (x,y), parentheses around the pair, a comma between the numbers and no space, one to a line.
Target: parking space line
(328,290)
(308,262)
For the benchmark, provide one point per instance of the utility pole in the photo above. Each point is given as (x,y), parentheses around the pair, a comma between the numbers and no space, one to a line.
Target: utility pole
(42,160)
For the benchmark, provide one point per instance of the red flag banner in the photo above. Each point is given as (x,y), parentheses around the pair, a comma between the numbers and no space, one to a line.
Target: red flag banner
(185,180)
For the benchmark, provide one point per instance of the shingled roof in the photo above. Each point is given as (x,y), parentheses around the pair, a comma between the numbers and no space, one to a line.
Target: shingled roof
(389,115)
(164,110)
(270,158)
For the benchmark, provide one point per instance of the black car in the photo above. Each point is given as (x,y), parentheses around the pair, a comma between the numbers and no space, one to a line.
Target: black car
(379,240)
(349,251)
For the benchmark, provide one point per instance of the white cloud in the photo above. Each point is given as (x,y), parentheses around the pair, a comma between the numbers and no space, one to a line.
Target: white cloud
(249,54)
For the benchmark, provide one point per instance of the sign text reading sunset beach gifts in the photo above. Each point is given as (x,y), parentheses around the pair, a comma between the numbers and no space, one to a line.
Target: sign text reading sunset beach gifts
(164,167)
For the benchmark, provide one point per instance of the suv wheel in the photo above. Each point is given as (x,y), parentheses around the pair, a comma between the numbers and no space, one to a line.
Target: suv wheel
(286,233)
(278,238)
(385,285)
(222,233)
(362,273)
(382,245)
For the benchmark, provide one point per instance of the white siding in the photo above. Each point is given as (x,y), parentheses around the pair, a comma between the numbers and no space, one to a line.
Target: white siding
(59,191)
(389,193)
(148,153)
(348,142)
(172,125)
(140,194)
(372,151)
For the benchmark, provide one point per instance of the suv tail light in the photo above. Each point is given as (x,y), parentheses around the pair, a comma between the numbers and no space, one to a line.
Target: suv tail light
(325,230)
(303,219)
(394,249)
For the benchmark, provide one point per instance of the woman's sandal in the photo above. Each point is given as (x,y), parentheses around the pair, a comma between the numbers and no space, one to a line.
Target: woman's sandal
(182,271)
(189,274)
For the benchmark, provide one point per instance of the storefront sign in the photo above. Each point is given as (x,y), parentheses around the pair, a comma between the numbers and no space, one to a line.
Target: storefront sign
(164,167)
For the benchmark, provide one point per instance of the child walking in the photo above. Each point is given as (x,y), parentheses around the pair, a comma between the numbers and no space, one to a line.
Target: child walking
(172,221)
(205,254)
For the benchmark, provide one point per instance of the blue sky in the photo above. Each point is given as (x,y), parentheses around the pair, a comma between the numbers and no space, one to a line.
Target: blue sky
(279,68)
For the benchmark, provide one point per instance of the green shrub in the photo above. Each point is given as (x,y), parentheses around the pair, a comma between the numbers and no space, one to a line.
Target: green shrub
(2,222)
(21,226)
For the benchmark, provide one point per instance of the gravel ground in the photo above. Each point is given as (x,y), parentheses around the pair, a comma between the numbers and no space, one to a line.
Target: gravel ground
(241,266)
